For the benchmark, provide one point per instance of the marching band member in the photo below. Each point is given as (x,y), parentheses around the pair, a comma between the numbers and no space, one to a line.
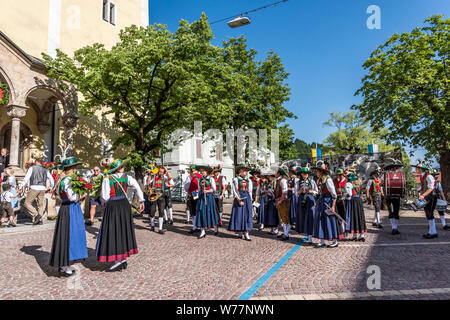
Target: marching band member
(441,195)
(241,220)
(192,187)
(221,185)
(117,240)
(158,184)
(206,216)
(393,202)
(168,195)
(307,190)
(339,184)
(428,193)
(271,218)
(375,190)
(281,193)
(326,226)
(355,219)
(69,239)
(293,195)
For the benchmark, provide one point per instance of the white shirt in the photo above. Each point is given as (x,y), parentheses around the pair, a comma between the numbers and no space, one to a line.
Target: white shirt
(283,185)
(314,188)
(27,178)
(330,186)
(71,195)
(430,181)
(166,181)
(235,186)
(348,192)
(295,184)
(106,189)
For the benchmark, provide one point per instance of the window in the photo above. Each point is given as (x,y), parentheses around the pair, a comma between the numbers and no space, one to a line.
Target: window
(105,10)
(112,14)
(199,149)
(109,10)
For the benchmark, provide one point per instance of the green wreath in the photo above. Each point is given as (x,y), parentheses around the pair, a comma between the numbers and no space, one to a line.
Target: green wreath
(4,94)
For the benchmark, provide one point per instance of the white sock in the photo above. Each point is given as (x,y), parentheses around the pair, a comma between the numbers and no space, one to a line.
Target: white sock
(432,229)
(202,233)
(286,230)
(443,220)
(310,239)
(165,214)
(57,210)
(152,220)
(377,217)
(160,223)
(393,223)
(188,215)
(396,223)
(194,220)
(361,235)
(322,241)
(216,228)
(262,226)
(246,235)
(170,214)
(220,215)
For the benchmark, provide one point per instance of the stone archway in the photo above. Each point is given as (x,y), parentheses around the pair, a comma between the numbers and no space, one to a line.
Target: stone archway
(25,140)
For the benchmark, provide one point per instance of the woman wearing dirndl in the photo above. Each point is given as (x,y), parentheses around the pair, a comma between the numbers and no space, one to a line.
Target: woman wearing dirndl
(326,226)
(241,220)
(262,199)
(206,216)
(307,190)
(293,195)
(271,217)
(69,238)
(354,218)
(117,239)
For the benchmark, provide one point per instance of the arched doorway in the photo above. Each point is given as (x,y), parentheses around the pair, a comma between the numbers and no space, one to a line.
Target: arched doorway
(24,141)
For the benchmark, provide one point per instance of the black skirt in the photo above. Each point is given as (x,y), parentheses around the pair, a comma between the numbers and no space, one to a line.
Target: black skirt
(116,240)
(356,222)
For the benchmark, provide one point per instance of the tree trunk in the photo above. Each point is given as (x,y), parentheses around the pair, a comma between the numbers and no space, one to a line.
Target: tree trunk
(444,162)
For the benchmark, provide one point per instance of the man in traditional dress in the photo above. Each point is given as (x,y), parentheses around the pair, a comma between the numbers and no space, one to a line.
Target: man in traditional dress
(281,195)
(375,190)
(428,193)
(221,184)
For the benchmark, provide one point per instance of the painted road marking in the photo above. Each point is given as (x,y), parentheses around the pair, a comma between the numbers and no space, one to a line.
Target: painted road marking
(251,291)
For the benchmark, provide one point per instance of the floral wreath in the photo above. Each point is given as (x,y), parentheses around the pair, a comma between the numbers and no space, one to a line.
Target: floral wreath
(4,94)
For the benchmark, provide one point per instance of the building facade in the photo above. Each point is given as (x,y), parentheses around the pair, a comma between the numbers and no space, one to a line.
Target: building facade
(38,116)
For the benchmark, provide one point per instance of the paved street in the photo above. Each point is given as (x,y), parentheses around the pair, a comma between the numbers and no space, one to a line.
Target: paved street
(179,266)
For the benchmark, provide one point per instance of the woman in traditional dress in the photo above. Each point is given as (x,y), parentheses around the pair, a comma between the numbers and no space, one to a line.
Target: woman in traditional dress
(261,198)
(69,238)
(293,195)
(325,225)
(117,239)
(271,217)
(307,190)
(241,220)
(206,216)
(355,220)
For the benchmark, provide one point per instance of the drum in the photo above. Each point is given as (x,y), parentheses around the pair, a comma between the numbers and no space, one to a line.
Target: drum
(283,210)
(394,184)
(421,204)
(441,205)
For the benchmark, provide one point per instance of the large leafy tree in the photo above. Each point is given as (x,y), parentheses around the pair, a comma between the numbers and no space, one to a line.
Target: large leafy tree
(406,90)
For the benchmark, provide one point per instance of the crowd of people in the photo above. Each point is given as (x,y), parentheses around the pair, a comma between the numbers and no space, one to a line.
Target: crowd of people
(306,199)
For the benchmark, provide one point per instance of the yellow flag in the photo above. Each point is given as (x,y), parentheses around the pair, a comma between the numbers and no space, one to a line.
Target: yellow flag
(314,153)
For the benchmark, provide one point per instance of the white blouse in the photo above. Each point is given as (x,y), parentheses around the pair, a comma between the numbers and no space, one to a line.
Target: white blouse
(106,189)
(235,187)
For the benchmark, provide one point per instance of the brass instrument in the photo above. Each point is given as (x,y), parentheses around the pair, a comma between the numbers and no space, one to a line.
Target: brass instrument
(151,194)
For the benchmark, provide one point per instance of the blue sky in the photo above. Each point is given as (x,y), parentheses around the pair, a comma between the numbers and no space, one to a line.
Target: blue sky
(322,43)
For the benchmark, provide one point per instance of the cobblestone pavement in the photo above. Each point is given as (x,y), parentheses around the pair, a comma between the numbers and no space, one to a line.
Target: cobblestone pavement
(177,265)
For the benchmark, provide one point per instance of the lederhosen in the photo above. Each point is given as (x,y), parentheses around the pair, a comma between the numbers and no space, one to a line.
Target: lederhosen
(375,191)
(431,198)
(219,192)
(340,203)
(393,206)
(168,197)
(158,185)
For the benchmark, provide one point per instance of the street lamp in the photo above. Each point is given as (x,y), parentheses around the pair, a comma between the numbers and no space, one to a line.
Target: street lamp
(238,22)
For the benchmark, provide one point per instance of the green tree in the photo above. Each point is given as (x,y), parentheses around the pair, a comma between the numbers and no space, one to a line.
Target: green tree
(406,90)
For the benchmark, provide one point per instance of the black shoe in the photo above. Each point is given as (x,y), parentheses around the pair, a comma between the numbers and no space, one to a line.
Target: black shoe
(446,227)
(334,245)
(430,236)
(152,228)
(353,239)
(89,223)
(320,245)
(374,224)
(161,231)
(284,238)
(193,231)
(125,264)
(395,231)
(280,236)
(67,274)
(170,221)
(247,239)
(361,239)
(379,226)
(308,244)
(37,220)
